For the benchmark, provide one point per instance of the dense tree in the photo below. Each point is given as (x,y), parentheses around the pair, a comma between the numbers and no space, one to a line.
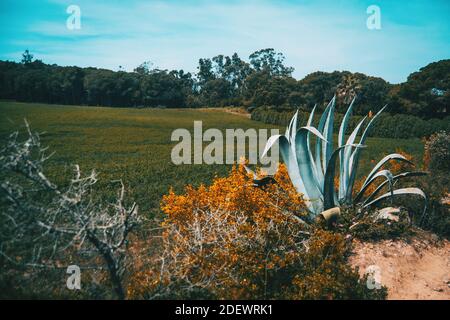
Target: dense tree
(427,92)
(226,80)
(144,68)
(205,71)
(270,61)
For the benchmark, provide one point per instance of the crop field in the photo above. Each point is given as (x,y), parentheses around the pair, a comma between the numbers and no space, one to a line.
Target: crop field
(135,145)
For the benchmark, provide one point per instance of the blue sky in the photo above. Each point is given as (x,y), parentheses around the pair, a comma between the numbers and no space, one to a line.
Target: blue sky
(313,35)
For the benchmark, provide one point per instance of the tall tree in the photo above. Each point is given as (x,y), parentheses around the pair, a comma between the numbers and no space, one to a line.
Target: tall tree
(27,57)
(205,71)
(144,68)
(271,61)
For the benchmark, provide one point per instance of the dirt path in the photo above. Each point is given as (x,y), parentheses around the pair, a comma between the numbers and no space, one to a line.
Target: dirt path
(416,270)
(236,111)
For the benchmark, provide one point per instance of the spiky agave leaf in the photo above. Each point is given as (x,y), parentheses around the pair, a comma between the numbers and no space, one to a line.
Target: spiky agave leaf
(294,127)
(307,173)
(313,176)
(329,195)
(354,159)
(382,173)
(290,160)
(289,129)
(318,160)
(308,144)
(398,192)
(347,155)
(270,142)
(297,156)
(389,157)
(311,116)
(386,173)
(327,148)
(328,184)
(341,140)
(395,179)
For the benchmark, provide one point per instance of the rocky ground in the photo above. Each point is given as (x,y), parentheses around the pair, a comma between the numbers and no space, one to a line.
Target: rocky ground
(413,269)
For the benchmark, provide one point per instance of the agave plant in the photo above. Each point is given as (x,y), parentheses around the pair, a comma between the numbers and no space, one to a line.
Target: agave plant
(313,173)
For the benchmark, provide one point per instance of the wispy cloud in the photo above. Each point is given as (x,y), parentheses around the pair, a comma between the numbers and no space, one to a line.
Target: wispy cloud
(175,34)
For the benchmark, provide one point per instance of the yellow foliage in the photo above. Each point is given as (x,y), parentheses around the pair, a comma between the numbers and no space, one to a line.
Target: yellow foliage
(231,239)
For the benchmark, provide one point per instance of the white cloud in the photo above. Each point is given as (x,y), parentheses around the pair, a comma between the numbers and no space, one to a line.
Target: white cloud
(175,35)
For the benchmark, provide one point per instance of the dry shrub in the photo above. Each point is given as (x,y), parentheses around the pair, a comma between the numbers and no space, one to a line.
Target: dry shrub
(228,240)
(233,240)
(325,274)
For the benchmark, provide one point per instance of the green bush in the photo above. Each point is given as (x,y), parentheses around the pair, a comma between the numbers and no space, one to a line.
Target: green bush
(437,152)
(387,126)
(437,216)
(325,274)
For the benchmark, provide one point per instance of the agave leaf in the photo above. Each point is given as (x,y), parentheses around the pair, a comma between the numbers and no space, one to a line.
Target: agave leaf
(328,184)
(313,164)
(392,156)
(354,159)
(285,150)
(404,191)
(307,175)
(288,157)
(288,154)
(347,154)
(311,116)
(250,171)
(395,179)
(289,128)
(270,142)
(294,127)
(327,148)
(344,124)
(341,138)
(385,173)
(320,128)
(290,161)
(329,195)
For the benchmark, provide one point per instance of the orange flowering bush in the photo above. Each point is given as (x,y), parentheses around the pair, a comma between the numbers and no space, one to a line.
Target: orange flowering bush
(228,240)
(233,240)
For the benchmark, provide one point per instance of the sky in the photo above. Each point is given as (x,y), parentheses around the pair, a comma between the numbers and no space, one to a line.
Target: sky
(313,35)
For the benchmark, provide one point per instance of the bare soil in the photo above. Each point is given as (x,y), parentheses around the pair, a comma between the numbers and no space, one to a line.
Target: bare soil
(415,269)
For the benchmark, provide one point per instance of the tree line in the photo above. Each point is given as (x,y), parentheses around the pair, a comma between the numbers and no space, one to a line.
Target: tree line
(262,81)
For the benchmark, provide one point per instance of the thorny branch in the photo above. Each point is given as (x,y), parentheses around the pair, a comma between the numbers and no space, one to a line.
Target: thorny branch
(40,220)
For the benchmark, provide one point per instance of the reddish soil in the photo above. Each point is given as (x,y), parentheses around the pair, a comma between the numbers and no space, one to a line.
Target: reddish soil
(417,269)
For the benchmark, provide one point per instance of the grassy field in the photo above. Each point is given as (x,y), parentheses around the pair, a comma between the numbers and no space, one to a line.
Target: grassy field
(134,145)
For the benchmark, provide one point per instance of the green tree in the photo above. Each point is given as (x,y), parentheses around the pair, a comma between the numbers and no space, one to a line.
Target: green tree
(270,61)
(27,57)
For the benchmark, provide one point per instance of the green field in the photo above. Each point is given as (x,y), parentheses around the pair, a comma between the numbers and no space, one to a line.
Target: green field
(134,145)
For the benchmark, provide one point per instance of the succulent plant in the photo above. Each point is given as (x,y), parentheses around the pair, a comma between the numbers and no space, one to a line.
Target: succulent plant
(313,173)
